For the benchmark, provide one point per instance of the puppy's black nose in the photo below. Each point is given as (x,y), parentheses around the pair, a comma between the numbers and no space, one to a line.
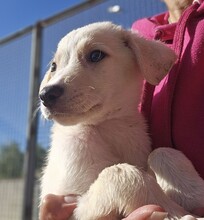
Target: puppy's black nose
(50,94)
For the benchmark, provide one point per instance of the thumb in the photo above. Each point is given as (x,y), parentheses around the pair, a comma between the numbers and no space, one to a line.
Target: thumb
(147,212)
(56,207)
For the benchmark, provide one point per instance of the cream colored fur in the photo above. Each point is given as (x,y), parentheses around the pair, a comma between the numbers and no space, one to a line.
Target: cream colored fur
(99,143)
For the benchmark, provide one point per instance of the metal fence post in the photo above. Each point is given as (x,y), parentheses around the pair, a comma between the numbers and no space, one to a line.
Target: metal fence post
(30,154)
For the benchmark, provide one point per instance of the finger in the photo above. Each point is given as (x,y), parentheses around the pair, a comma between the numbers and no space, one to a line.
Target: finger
(152,212)
(158,215)
(57,207)
(66,211)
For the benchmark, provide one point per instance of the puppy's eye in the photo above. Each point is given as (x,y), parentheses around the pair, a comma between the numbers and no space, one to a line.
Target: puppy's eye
(53,67)
(96,56)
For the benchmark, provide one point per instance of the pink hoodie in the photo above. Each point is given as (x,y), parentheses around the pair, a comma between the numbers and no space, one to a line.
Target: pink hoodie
(175,108)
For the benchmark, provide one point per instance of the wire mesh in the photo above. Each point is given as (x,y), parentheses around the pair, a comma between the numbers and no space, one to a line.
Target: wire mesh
(15,65)
(14,87)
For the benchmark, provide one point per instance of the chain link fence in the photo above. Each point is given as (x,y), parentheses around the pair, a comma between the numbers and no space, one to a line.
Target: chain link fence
(24,56)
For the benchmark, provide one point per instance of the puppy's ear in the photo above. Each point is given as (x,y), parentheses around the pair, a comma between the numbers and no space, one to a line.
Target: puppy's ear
(153,57)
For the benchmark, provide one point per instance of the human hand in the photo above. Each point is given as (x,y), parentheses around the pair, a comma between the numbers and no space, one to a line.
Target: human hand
(154,212)
(61,208)
(56,207)
(147,212)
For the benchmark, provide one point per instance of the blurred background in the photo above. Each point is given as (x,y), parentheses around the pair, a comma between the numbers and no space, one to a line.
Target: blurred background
(29,34)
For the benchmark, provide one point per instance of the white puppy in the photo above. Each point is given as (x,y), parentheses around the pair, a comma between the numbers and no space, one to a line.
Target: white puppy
(100,146)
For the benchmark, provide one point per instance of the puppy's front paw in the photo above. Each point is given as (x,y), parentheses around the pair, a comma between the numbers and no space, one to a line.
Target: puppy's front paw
(118,191)
(177,177)
(112,195)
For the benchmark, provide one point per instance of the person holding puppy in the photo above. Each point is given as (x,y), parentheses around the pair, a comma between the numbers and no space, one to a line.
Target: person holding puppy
(175,108)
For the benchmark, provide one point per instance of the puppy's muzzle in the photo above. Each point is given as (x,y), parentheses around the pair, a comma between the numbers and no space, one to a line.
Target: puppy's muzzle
(50,94)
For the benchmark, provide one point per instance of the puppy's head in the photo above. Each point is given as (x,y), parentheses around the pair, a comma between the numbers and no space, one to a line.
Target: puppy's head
(98,71)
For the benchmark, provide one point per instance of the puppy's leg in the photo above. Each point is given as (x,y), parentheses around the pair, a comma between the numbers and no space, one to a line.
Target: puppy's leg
(119,190)
(177,177)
